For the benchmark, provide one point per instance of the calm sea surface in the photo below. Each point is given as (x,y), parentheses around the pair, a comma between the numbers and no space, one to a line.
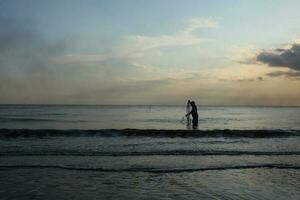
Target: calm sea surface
(146,117)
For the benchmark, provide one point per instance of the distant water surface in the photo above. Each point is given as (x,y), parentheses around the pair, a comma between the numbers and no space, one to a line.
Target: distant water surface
(146,117)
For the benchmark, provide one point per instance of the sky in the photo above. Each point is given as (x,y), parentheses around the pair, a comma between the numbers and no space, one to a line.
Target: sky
(158,52)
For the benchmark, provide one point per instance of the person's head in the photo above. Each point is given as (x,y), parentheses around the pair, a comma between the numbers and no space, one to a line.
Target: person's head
(193,102)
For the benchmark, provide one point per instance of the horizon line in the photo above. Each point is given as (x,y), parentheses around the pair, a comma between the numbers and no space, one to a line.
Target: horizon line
(201,105)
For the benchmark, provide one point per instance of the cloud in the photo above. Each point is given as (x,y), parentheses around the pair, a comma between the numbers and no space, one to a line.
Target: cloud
(289,74)
(198,22)
(140,66)
(178,75)
(283,57)
(184,37)
(136,46)
(242,79)
(286,57)
(243,55)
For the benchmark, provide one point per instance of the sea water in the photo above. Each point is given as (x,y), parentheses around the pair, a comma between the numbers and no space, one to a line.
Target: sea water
(146,117)
(148,152)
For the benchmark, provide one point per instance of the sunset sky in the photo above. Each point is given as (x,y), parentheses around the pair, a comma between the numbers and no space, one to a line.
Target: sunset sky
(231,52)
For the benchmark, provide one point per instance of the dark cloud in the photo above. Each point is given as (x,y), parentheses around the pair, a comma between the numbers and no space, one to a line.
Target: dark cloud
(289,58)
(290,74)
(243,79)
(260,78)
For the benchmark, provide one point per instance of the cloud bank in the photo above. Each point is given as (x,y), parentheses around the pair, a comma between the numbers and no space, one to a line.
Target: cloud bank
(289,74)
(287,57)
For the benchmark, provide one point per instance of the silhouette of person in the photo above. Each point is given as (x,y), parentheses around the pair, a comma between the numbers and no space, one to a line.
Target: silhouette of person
(194,113)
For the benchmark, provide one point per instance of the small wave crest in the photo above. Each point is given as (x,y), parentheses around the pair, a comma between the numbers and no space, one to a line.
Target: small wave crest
(13,133)
(153,153)
(153,170)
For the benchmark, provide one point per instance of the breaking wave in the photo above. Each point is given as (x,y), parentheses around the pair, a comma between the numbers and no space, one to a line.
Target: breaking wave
(13,133)
(153,153)
(153,170)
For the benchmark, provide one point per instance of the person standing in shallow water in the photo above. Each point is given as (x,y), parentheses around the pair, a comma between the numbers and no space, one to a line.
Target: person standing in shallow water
(194,113)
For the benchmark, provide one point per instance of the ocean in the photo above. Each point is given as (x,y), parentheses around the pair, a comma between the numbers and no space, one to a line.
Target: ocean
(146,117)
(148,152)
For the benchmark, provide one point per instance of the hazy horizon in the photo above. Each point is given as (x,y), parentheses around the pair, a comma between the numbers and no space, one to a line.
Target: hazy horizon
(229,53)
(183,105)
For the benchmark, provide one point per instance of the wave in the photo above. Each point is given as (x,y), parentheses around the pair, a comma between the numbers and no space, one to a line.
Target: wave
(153,170)
(234,133)
(152,153)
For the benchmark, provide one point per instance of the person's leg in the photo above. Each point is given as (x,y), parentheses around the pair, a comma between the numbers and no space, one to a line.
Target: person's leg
(195,121)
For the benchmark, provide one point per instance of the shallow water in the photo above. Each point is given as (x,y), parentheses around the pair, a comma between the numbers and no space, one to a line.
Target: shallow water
(149,164)
(226,184)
